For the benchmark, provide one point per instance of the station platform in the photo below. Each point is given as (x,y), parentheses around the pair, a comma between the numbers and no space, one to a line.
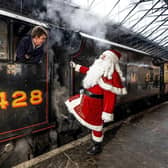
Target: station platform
(138,142)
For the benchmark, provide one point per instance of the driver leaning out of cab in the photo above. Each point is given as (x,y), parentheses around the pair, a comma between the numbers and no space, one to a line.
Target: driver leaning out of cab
(31,47)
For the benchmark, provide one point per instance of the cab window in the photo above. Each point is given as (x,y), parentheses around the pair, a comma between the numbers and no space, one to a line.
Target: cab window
(3,40)
(19,31)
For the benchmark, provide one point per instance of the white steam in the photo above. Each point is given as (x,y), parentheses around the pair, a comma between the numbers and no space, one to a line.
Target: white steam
(78,19)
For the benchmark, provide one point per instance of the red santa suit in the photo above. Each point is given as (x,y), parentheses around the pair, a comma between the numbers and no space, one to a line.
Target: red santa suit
(96,102)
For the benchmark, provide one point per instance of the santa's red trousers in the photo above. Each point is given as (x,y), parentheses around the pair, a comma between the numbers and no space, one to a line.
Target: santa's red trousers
(97,136)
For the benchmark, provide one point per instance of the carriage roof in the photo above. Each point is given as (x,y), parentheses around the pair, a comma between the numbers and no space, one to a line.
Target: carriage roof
(22,18)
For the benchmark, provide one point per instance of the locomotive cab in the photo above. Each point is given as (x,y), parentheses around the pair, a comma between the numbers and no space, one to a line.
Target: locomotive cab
(24,88)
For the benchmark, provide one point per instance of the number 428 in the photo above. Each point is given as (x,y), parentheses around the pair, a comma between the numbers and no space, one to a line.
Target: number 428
(20,99)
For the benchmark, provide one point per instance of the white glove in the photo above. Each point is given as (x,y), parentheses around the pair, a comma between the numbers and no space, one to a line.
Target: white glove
(75,66)
(27,56)
(72,64)
(107,117)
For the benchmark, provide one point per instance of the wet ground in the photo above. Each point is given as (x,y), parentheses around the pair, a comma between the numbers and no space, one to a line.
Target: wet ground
(140,143)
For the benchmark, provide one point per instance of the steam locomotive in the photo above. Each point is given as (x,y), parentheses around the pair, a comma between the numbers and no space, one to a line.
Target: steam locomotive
(32,95)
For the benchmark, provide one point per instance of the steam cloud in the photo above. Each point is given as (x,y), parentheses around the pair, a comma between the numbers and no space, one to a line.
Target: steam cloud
(78,19)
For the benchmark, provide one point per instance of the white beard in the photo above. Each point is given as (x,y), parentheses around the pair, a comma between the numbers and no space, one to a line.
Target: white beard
(96,71)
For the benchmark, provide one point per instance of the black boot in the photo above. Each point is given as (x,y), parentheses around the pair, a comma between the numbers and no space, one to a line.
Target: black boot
(95,148)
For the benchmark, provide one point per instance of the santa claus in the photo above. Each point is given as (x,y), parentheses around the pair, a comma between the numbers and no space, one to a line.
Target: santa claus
(95,105)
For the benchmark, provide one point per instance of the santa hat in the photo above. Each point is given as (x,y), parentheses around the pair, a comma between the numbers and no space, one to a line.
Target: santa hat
(112,55)
(116,53)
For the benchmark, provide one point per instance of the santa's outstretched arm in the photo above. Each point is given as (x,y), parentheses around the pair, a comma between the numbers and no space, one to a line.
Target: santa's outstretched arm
(79,68)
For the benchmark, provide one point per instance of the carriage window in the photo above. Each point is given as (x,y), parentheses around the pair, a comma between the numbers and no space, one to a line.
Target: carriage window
(3,40)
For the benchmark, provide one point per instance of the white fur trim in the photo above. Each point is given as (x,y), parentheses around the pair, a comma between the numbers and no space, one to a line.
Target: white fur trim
(74,103)
(97,139)
(107,117)
(77,68)
(118,91)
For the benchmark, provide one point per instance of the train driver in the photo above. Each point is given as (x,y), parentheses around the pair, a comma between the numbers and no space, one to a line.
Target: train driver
(31,47)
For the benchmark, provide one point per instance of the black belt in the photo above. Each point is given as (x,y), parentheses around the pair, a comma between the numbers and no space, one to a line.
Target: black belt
(90,94)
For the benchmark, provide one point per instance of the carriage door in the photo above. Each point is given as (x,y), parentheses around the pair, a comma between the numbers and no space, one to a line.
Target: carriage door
(23,87)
